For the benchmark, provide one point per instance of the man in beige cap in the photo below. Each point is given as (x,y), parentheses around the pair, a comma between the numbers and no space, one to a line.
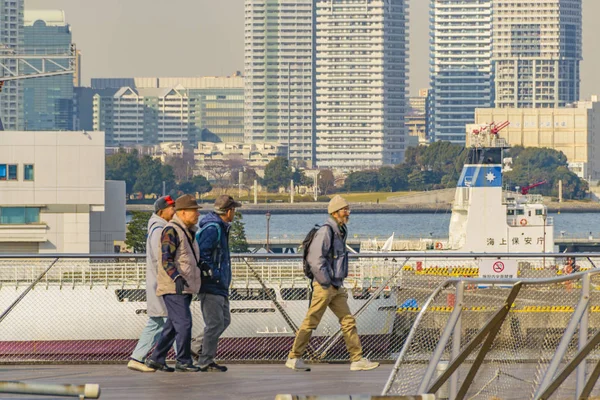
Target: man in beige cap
(178,280)
(328,260)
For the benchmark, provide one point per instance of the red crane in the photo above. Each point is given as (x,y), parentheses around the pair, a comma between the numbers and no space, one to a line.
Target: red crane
(526,189)
(493,128)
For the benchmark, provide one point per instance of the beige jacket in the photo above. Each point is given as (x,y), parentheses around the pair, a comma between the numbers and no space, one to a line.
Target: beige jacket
(186,261)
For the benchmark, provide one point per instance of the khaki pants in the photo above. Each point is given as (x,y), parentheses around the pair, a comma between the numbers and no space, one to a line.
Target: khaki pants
(337,301)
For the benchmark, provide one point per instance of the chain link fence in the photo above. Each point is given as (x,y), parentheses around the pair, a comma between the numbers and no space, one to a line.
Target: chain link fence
(551,318)
(93,309)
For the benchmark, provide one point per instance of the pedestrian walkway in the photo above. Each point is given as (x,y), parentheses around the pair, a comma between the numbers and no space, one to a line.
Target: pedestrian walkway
(242,381)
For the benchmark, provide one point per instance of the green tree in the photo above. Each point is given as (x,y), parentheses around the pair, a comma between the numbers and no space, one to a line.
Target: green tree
(123,166)
(197,184)
(137,228)
(237,235)
(362,181)
(151,175)
(277,174)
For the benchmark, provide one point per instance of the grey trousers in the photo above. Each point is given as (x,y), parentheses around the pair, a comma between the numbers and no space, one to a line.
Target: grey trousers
(215,312)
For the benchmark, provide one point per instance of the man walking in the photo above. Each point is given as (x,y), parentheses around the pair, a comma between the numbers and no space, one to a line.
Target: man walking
(178,280)
(328,260)
(164,209)
(215,263)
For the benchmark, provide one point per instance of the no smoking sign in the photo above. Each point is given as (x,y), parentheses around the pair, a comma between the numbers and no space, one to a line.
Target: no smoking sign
(494,268)
(498,267)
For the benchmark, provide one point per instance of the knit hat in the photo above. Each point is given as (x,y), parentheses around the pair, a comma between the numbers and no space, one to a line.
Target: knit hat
(163,202)
(225,202)
(336,203)
(186,202)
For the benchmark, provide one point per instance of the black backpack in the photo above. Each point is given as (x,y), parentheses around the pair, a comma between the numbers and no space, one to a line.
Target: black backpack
(306,244)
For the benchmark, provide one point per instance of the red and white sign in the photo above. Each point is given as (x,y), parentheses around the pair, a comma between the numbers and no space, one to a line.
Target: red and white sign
(498,269)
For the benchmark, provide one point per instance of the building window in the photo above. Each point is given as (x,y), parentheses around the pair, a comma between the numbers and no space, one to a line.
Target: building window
(3,172)
(28,172)
(12,172)
(19,215)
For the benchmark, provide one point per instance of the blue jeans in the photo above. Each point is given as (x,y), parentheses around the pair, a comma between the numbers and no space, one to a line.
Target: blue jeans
(148,338)
(178,325)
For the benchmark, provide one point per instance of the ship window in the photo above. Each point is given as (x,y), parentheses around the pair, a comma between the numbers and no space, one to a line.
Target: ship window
(126,295)
(252,294)
(510,212)
(3,172)
(539,212)
(520,212)
(294,293)
(529,213)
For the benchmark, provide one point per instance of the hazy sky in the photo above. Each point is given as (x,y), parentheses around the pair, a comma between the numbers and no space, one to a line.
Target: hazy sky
(125,38)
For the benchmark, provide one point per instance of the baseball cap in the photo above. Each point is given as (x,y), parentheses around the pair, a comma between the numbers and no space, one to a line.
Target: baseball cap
(225,202)
(163,202)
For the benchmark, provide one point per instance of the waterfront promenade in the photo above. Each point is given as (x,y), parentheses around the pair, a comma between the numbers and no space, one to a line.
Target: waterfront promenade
(242,381)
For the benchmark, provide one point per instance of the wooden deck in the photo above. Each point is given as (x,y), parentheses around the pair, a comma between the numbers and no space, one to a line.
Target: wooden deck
(242,381)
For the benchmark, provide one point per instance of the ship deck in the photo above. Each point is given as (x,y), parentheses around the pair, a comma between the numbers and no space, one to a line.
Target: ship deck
(242,381)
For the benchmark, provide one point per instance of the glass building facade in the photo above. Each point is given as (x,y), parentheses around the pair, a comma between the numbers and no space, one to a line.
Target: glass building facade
(48,101)
(219,114)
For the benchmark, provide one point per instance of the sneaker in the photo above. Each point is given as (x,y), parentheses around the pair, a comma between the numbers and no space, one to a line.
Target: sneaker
(213,367)
(186,368)
(138,366)
(363,365)
(297,364)
(159,366)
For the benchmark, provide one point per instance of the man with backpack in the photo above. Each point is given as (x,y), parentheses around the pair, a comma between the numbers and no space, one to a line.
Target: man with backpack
(326,264)
(164,209)
(215,266)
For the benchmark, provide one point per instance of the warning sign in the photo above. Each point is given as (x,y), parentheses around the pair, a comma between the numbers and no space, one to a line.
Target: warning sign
(498,269)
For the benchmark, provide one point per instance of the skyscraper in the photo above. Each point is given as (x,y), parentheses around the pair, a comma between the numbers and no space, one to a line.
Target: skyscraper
(461,73)
(11,42)
(361,81)
(278,75)
(537,51)
(48,101)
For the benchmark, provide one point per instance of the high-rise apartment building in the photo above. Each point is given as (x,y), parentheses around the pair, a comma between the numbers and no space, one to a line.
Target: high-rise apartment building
(48,101)
(11,42)
(144,116)
(461,73)
(209,108)
(278,75)
(537,51)
(360,81)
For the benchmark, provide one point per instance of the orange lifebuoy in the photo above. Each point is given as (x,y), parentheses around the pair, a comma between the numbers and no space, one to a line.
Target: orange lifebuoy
(523,222)
(439,246)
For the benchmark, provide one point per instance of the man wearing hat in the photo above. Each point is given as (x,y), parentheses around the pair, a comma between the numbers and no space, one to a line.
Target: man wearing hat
(164,209)
(178,280)
(215,264)
(328,260)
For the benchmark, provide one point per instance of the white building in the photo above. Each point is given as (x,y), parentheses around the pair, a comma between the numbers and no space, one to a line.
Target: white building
(461,74)
(278,75)
(144,116)
(537,51)
(361,83)
(53,196)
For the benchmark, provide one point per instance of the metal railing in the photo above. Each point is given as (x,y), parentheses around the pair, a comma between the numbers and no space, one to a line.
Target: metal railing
(510,338)
(447,329)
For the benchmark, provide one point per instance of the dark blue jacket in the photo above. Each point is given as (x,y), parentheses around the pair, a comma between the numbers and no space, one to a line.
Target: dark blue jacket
(216,276)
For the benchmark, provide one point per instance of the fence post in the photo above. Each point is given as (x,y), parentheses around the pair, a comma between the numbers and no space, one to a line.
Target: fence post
(583,334)
(460,289)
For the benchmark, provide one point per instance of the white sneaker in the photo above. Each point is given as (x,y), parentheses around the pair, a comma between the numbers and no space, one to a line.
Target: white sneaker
(363,365)
(297,364)
(138,366)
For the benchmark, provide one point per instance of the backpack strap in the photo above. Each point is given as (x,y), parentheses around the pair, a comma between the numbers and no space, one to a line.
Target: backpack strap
(217,250)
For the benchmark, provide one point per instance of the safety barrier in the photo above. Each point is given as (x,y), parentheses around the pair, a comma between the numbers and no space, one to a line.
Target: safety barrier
(528,337)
